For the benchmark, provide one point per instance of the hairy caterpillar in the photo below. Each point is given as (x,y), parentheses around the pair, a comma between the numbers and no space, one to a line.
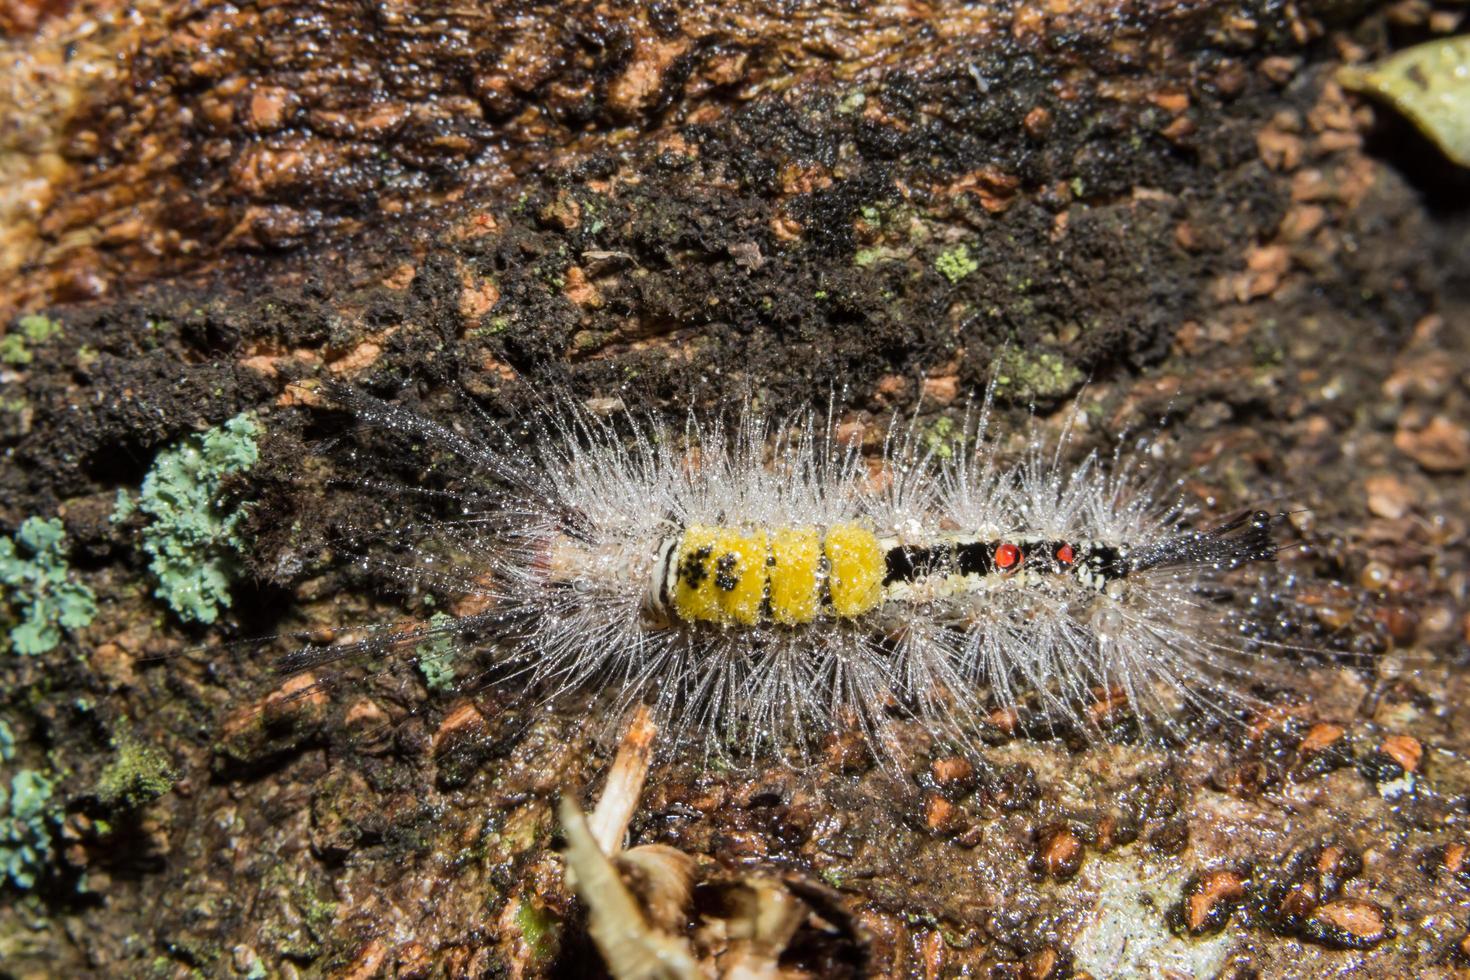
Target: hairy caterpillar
(763,584)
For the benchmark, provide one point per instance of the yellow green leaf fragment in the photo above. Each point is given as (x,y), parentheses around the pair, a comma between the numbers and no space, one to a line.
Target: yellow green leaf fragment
(1429,84)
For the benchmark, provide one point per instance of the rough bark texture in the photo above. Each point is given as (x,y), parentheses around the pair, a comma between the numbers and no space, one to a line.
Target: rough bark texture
(670,203)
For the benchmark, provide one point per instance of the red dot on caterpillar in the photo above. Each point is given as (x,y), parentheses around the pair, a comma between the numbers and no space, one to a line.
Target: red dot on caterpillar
(1065,554)
(1007,555)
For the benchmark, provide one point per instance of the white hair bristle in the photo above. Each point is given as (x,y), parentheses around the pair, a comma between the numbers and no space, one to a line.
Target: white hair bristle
(760,584)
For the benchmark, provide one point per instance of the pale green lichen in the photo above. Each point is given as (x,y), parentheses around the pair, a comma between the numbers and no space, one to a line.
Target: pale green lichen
(123,507)
(15,348)
(942,437)
(1034,375)
(956,263)
(189,533)
(436,655)
(137,774)
(38,594)
(26,819)
(38,328)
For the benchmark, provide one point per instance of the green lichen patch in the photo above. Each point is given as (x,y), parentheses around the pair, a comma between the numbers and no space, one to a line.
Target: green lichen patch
(297,920)
(436,655)
(13,350)
(139,773)
(38,328)
(38,594)
(1035,376)
(942,437)
(31,329)
(189,533)
(26,818)
(956,263)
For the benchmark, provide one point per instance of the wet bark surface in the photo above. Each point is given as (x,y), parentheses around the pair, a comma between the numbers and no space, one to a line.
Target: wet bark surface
(1167,213)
